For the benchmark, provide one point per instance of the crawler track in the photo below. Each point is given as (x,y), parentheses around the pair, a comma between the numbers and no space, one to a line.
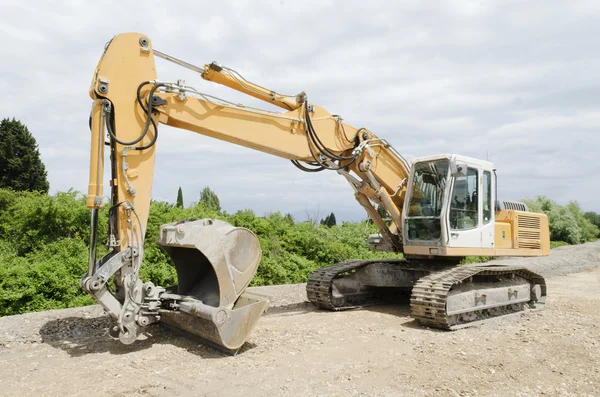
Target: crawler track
(428,300)
(429,293)
(320,282)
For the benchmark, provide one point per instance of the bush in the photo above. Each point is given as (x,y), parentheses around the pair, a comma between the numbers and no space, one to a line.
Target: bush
(47,255)
(32,219)
(567,223)
(44,244)
(45,279)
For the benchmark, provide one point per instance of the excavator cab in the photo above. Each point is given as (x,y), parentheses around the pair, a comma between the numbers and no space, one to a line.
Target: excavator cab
(451,211)
(449,204)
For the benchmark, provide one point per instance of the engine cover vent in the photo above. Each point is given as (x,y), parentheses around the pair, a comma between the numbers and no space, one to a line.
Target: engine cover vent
(511,205)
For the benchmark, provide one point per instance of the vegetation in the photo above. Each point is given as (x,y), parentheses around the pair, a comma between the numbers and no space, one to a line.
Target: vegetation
(567,223)
(44,244)
(594,219)
(20,165)
(210,199)
(179,203)
(44,239)
(329,220)
(556,244)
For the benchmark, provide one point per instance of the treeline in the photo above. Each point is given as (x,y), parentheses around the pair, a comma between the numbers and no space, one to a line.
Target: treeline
(568,223)
(44,246)
(44,239)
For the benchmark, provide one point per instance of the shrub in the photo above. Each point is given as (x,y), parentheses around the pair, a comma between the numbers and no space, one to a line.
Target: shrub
(567,223)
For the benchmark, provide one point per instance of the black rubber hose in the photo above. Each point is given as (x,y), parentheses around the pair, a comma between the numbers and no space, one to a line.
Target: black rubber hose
(154,138)
(318,143)
(149,120)
(325,166)
(307,169)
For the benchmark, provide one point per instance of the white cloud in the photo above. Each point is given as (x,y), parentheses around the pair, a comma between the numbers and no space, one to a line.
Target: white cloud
(516,81)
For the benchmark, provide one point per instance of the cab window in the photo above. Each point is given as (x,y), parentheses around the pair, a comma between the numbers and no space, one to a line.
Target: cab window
(487,197)
(464,209)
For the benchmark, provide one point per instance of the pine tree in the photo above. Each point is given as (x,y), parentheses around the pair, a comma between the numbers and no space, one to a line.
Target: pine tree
(179,198)
(331,220)
(210,199)
(20,165)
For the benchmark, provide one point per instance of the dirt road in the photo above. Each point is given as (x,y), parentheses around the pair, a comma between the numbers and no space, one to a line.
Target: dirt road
(297,350)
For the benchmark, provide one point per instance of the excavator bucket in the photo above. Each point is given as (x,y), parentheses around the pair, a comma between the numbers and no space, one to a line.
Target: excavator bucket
(215,262)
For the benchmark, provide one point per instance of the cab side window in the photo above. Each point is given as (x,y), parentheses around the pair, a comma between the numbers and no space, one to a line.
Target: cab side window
(487,197)
(464,209)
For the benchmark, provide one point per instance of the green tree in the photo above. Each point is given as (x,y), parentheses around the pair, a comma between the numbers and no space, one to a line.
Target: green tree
(329,220)
(589,231)
(594,218)
(567,223)
(20,165)
(210,199)
(289,219)
(179,198)
(332,221)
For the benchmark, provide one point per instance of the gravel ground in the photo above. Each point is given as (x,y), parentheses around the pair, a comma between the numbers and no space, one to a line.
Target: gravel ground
(297,350)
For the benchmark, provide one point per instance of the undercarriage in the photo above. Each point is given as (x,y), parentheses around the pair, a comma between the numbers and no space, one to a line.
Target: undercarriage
(442,295)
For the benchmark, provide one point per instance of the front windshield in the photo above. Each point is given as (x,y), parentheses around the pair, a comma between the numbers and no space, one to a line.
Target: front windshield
(426,200)
(429,183)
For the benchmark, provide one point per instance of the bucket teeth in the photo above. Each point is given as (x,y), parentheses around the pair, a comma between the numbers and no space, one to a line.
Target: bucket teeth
(215,263)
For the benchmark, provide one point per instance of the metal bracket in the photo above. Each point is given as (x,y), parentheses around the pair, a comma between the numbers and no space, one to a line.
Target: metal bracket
(181,83)
(362,147)
(125,166)
(105,272)
(400,186)
(144,44)
(103,85)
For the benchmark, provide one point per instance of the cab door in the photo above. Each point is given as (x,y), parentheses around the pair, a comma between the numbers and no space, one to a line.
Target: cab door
(487,209)
(464,211)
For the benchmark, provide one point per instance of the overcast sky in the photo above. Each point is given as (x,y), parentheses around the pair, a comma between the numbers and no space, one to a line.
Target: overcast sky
(517,82)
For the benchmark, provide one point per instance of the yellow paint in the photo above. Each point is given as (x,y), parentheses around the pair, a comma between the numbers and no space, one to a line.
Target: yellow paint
(225,77)
(502,235)
(511,244)
(124,65)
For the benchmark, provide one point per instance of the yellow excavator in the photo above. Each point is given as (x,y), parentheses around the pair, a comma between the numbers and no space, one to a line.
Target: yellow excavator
(441,209)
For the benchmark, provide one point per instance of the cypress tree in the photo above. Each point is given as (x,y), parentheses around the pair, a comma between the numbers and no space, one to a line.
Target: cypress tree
(179,198)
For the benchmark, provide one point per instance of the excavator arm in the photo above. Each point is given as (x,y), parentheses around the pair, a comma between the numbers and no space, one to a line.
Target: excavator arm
(309,136)
(129,104)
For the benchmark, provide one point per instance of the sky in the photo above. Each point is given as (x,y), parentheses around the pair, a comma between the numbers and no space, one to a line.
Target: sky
(515,82)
